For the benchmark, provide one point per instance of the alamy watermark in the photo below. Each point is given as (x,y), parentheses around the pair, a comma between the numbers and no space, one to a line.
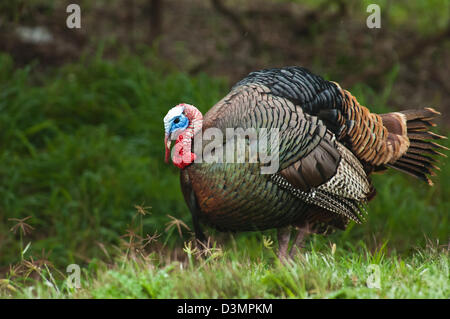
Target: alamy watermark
(374,19)
(374,278)
(239,145)
(74,279)
(73,21)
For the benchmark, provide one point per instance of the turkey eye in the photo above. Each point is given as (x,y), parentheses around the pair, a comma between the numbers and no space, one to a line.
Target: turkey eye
(176,120)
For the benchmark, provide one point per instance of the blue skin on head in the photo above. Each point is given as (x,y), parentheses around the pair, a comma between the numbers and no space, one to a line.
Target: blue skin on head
(179,122)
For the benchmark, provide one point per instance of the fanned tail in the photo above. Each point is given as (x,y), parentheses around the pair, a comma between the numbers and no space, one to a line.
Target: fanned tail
(418,160)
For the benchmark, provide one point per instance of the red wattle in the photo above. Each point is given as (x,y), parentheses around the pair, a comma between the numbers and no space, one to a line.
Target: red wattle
(182,164)
(182,156)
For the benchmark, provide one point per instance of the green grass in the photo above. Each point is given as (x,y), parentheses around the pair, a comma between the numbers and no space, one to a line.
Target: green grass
(81,145)
(319,272)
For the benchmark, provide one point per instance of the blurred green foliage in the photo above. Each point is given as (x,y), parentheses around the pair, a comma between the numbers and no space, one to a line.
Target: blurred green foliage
(81,145)
(424,16)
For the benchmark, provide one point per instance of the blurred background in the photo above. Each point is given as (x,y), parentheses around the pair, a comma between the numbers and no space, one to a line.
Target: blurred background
(81,134)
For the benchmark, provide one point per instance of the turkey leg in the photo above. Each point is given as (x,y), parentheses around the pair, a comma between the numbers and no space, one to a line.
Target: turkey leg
(283,235)
(298,242)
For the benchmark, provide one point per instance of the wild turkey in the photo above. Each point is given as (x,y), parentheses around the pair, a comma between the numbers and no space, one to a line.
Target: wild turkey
(329,145)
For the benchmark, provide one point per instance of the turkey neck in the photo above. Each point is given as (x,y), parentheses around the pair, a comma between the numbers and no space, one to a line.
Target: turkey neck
(183,156)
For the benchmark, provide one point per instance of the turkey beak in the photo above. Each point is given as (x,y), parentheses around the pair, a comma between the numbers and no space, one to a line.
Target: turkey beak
(167,143)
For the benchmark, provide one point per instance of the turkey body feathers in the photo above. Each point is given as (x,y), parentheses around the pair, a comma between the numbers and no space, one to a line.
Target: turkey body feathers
(329,144)
(236,196)
(309,91)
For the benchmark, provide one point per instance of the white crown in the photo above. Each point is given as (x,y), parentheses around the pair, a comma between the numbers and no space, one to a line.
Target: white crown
(173,112)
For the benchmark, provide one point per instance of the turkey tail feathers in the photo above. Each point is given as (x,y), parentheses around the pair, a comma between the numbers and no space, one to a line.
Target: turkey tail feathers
(417,161)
